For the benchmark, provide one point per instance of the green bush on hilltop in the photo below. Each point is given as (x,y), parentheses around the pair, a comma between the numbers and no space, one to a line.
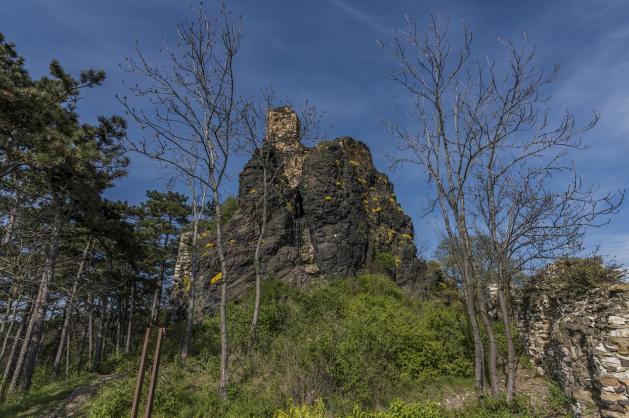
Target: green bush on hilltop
(356,341)
(358,347)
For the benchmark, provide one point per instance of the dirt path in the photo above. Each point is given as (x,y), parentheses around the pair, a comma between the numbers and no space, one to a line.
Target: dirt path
(72,405)
(528,383)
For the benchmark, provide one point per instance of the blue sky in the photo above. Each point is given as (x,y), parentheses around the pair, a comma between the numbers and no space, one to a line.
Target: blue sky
(326,51)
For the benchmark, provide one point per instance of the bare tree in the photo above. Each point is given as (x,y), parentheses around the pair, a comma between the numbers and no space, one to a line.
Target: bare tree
(507,193)
(440,143)
(532,205)
(194,118)
(198,207)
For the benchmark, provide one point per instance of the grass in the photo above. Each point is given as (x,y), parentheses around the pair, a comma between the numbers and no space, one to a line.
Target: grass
(43,398)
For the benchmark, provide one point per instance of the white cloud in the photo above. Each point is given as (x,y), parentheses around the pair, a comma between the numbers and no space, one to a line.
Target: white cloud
(359,16)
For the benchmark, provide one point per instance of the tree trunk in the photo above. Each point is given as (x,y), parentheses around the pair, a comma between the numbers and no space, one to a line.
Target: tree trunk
(90,329)
(155,304)
(468,290)
(187,335)
(10,226)
(7,312)
(479,354)
(5,340)
(67,309)
(492,355)
(34,329)
(157,295)
(256,258)
(224,378)
(9,364)
(106,348)
(127,347)
(119,324)
(511,360)
(68,356)
(79,357)
(98,350)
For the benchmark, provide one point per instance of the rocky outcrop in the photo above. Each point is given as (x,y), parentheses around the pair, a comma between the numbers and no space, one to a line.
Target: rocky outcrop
(581,340)
(330,213)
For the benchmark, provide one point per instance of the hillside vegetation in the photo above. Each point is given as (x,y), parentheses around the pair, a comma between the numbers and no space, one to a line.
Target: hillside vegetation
(359,347)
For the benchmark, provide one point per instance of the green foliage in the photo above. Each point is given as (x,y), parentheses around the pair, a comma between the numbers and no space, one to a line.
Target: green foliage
(357,340)
(114,400)
(575,275)
(427,409)
(400,409)
(228,208)
(317,410)
(383,263)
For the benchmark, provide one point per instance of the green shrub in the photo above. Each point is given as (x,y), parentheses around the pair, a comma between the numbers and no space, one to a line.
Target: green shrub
(383,263)
(317,410)
(360,340)
(575,275)
(114,400)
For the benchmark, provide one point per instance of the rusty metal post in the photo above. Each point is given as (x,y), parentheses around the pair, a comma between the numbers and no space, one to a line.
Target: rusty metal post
(158,349)
(140,379)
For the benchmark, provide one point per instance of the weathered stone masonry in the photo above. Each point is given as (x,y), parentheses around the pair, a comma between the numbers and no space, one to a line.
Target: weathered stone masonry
(582,342)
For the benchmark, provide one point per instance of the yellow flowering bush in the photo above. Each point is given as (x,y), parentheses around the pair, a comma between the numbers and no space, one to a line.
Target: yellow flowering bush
(327,198)
(217,278)
(317,410)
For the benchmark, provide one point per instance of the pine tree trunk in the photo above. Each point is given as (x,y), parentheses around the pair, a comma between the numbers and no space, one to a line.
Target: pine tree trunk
(106,331)
(90,329)
(127,347)
(155,305)
(68,307)
(79,357)
(10,226)
(5,340)
(118,325)
(157,295)
(7,313)
(34,329)
(98,349)
(68,356)
(16,340)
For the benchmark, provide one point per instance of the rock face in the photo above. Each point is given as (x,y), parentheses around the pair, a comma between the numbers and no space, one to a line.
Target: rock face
(330,213)
(581,341)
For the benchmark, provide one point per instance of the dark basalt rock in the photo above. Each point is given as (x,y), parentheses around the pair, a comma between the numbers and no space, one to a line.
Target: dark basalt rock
(329,214)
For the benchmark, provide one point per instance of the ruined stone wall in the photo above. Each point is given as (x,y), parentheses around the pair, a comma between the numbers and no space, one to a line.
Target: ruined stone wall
(283,131)
(582,342)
